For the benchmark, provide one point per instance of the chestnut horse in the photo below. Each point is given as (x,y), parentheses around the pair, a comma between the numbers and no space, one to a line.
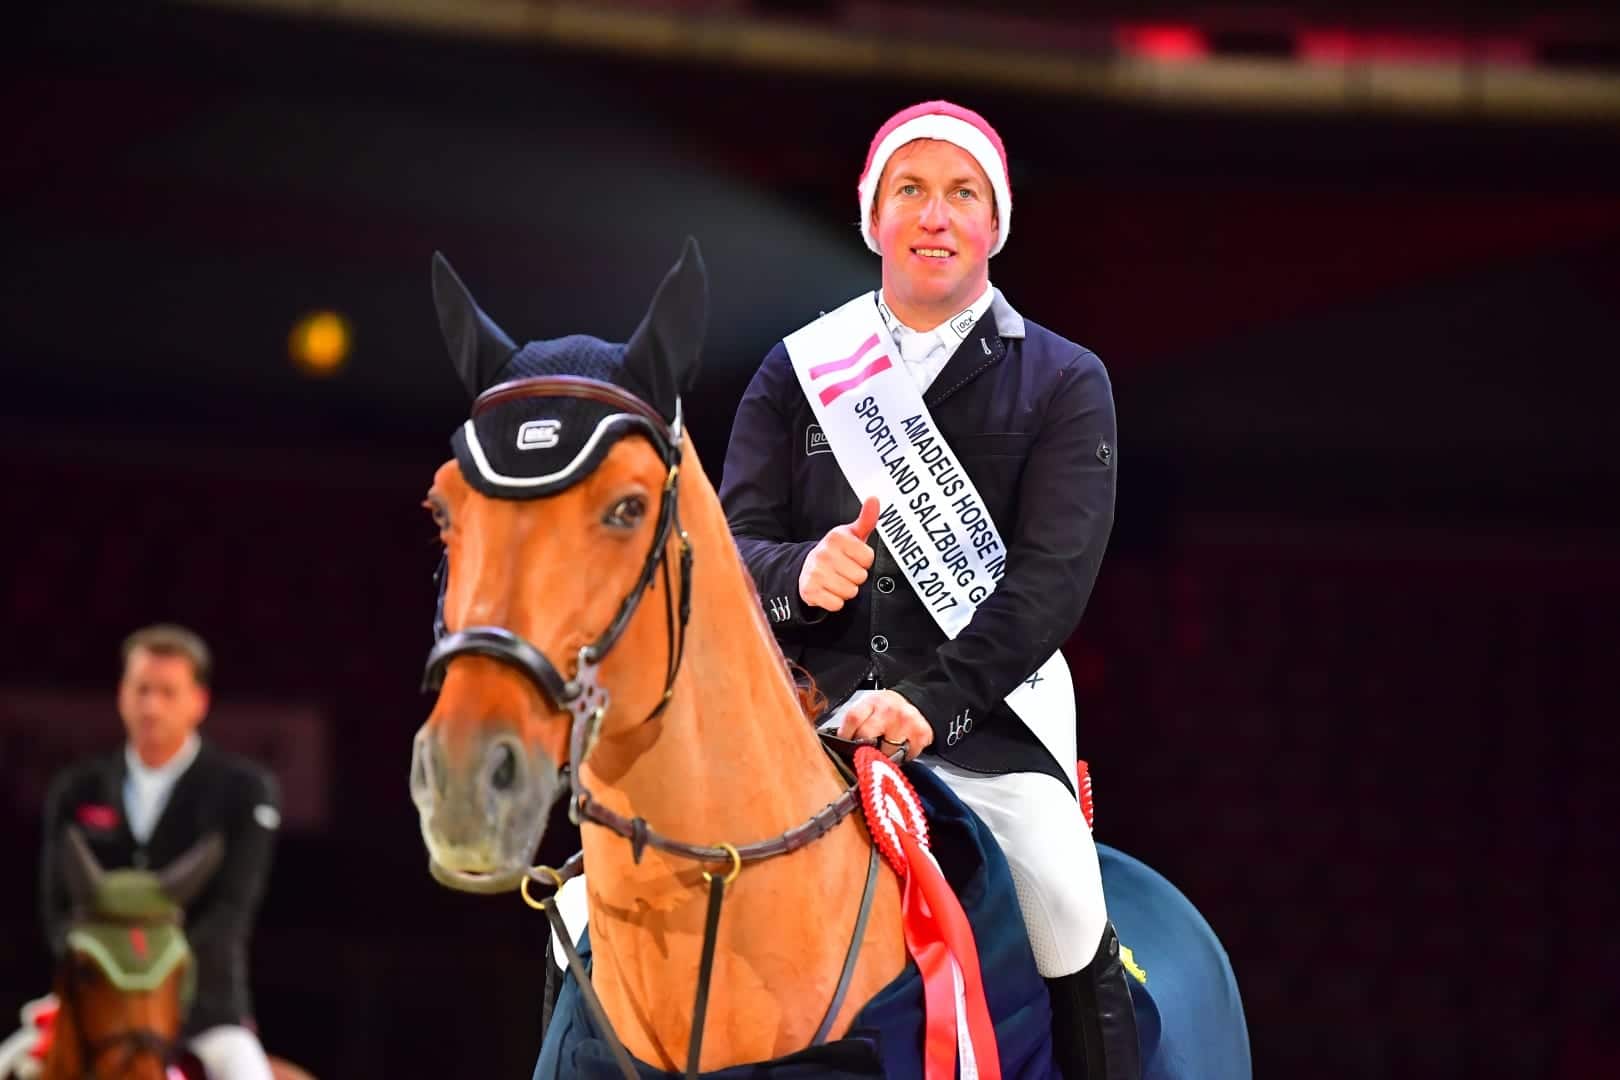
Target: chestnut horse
(704,737)
(125,979)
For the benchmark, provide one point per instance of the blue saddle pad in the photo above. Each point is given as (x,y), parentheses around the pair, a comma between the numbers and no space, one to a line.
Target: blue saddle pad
(885,1038)
(1189,1014)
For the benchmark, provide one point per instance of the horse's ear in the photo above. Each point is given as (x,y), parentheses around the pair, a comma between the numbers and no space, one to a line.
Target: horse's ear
(81,868)
(478,348)
(185,877)
(665,348)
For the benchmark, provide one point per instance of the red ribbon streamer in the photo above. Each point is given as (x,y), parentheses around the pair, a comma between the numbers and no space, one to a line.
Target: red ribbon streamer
(936,930)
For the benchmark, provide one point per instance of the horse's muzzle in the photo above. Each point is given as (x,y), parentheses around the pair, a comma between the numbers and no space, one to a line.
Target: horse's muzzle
(482,817)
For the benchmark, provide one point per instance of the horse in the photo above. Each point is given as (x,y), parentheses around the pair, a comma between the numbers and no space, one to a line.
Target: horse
(126,976)
(573,515)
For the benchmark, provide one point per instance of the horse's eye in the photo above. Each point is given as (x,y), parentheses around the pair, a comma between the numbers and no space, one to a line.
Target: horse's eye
(440,512)
(626,513)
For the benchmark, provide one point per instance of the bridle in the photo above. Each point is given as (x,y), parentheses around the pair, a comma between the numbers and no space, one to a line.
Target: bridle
(136,1040)
(583,696)
(586,701)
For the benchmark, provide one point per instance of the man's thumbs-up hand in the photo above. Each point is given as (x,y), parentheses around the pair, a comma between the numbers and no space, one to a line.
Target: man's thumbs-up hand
(836,567)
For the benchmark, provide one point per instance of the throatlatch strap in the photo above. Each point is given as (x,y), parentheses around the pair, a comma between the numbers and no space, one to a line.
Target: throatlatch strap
(717,893)
(592,1003)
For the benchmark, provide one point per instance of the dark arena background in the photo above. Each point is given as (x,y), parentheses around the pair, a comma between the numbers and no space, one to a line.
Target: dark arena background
(1348,674)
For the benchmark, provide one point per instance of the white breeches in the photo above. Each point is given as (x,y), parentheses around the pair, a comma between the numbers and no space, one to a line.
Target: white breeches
(1049,849)
(231,1052)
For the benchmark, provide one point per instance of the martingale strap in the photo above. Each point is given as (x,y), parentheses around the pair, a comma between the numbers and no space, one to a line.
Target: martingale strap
(854,953)
(711,925)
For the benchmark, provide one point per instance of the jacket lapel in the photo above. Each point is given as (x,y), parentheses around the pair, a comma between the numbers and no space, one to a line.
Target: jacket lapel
(101,813)
(114,772)
(182,798)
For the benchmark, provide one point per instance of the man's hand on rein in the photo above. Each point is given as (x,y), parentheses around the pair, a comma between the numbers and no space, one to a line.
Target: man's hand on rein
(887,715)
(836,567)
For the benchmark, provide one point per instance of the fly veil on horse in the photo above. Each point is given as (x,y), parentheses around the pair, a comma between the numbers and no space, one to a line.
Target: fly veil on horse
(126,973)
(126,978)
(599,634)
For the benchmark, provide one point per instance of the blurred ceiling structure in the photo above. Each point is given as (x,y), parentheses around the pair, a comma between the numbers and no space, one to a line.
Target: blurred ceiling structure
(1509,61)
(184,182)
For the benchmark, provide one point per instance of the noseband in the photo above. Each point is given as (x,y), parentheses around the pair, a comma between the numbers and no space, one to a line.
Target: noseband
(583,696)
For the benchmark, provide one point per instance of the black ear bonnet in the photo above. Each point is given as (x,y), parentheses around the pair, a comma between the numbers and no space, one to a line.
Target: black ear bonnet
(545,415)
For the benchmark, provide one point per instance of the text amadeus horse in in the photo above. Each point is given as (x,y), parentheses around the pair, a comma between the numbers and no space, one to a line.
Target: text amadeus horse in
(598,633)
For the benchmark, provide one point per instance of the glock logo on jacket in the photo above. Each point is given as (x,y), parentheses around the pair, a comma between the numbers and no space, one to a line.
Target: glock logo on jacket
(815,440)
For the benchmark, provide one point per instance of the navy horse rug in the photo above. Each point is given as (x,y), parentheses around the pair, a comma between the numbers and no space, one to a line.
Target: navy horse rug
(1189,1015)
(1189,1012)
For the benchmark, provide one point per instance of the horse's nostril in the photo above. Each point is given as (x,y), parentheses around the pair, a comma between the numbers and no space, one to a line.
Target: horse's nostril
(427,766)
(505,769)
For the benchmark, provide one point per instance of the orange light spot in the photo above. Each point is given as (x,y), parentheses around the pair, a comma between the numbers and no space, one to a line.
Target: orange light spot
(319,343)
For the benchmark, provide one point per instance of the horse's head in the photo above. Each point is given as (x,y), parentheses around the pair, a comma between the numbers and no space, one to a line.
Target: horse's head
(127,973)
(556,514)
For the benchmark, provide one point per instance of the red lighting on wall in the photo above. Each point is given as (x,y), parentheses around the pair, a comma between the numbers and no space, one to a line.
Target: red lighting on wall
(1166,44)
(1349,47)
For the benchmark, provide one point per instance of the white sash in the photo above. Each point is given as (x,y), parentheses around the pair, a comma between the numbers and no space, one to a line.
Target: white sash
(934,522)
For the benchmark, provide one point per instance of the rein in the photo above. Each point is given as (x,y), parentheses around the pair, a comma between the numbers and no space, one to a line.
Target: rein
(586,701)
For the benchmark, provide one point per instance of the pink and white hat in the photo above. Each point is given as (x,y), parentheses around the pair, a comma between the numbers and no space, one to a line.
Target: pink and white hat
(948,123)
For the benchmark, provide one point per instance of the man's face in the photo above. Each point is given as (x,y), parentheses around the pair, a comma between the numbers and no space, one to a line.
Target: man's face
(161,703)
(935,222)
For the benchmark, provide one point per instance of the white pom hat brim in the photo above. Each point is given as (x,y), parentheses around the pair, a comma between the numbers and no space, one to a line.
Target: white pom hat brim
(949,129)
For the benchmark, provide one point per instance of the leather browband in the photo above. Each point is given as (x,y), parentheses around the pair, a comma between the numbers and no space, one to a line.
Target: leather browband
(576,386)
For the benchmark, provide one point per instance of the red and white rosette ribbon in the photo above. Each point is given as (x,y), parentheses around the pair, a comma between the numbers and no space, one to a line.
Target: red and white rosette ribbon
(1088,806)
(41,1013)
(938,935)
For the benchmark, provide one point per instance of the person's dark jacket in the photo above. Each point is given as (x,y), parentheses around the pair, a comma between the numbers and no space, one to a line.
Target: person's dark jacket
(218,791)
(1030,416)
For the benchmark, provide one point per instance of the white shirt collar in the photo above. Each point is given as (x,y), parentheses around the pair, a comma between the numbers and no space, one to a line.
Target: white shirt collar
(924,353)
(953,331)
(167,773)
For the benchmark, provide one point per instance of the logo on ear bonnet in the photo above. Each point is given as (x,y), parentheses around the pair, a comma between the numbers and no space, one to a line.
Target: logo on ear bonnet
(539,435)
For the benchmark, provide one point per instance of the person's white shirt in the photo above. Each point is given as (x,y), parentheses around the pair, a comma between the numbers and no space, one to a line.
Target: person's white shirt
(147,790)
(925,352)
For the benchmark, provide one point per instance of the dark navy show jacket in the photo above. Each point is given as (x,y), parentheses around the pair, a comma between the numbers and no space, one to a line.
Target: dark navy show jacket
(219,792)
(1030,416)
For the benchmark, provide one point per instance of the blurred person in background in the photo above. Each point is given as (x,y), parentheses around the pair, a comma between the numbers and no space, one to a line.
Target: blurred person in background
(148,803)
(1029,416)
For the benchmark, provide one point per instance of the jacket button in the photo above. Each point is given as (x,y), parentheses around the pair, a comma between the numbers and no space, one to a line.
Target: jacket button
(880,644)
(885,584)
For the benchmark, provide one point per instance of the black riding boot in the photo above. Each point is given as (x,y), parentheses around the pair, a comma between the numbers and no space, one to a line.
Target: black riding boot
(1093,1020)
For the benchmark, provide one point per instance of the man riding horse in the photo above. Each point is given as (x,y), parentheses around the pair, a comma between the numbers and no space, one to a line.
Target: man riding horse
(599,636)
(984,460)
